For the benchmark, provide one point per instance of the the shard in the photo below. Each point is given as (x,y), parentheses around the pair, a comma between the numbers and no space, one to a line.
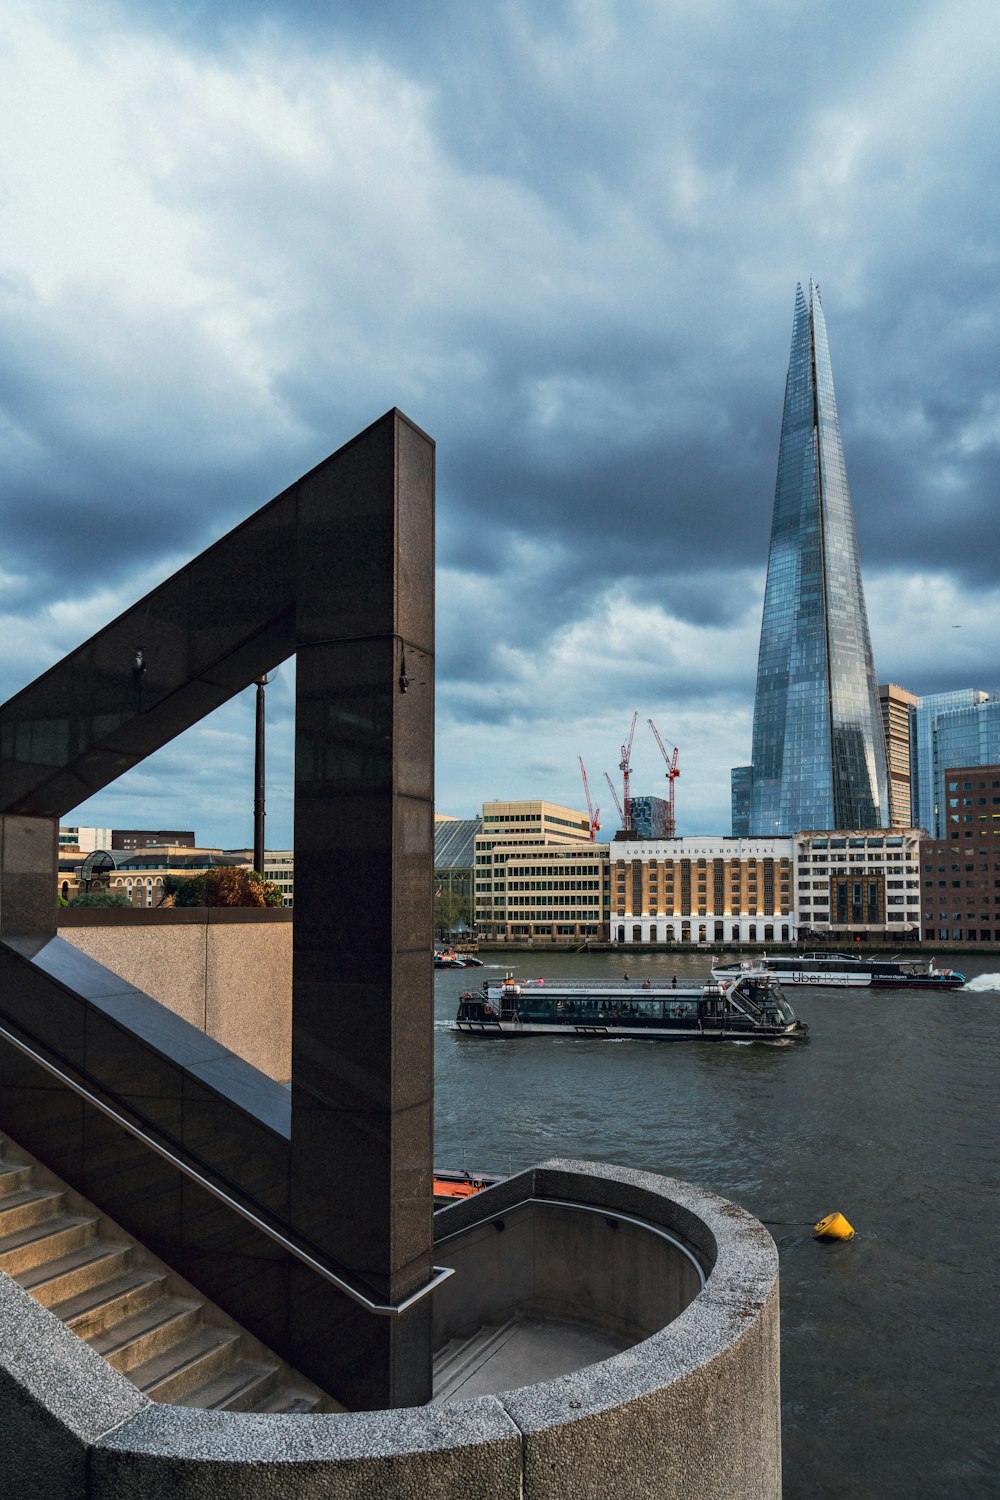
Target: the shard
(818,749)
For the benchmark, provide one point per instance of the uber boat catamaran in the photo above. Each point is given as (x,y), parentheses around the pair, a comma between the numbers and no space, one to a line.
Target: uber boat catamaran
(749,1007)
(844,969)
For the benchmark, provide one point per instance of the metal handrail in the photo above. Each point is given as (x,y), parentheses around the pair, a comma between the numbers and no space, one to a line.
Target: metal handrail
(585,1208)
(378,1309)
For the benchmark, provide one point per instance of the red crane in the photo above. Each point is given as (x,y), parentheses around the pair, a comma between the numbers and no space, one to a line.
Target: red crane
(593,812)
(615,795)
(624,765)
(672,774)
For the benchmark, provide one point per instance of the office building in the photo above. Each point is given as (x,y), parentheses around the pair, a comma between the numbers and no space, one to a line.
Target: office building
(545,893)
(511,826)
(895,703)
(859,884)
(141,838)
(961,870)
(84,840)
(818,757)
(650,817)
(949,729)
(740,782)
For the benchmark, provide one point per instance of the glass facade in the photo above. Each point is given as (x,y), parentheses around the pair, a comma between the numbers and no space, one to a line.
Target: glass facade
(818,749)
(740,779)
(650,817)
(949,729)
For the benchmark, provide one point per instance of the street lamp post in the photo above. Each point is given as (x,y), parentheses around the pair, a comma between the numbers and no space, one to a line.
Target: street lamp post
(258,777)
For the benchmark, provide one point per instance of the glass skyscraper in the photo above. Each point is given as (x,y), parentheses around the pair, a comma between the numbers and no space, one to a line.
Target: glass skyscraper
(818,758)
(959,728)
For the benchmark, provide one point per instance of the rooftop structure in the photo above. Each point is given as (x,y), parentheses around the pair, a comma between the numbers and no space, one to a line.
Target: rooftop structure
(454,844)
(818,756)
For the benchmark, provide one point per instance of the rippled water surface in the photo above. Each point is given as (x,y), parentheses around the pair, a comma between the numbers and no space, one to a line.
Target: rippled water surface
(889,1115)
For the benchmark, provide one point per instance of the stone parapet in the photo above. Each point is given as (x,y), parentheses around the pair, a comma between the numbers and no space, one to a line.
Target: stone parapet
(692,1411)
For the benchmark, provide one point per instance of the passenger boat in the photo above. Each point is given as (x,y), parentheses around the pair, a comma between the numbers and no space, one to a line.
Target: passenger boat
(844,969)
(447,958)
(747,1008)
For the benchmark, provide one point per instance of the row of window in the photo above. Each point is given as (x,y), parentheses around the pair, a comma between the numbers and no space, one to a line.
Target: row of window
(552,885)
(942,868)
(957,884)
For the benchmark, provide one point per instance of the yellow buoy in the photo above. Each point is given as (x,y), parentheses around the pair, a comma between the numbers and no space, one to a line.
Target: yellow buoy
(833,1227)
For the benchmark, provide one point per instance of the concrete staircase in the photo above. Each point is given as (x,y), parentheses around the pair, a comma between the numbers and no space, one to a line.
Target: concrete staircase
(521,1351)
(146,1321)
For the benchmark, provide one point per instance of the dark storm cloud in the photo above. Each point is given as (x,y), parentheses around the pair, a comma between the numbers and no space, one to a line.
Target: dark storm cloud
(565,240)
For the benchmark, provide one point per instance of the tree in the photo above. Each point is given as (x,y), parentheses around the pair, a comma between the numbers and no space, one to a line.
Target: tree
(225,885)
(449,908)
(99,898)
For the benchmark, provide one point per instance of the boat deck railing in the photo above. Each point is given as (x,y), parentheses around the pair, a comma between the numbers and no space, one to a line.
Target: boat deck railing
(606,986)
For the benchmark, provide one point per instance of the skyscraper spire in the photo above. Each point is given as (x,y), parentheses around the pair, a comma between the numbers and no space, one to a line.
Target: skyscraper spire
(818,748)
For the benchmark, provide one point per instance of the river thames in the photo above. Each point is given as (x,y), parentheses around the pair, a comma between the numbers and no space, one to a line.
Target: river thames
(889,1342)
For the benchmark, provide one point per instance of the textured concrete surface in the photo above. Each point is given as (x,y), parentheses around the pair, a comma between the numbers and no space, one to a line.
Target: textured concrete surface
(232,981)
(690,1413)
(693,1411)
(56,1398)
(524,1352)
(469,1451)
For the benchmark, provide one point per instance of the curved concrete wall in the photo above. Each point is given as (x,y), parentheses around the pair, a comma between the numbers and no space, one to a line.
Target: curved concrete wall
(691,1411)
(565,1262)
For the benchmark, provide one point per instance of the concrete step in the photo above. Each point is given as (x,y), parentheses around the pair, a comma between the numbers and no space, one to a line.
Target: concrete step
(14,1177)
(192,1362)
(30,1205)
(26,1248)
(152,1330)
(239,1386)
(108,1301)
(292,1402)
(458,1359)
(130,1309)
(79,1270)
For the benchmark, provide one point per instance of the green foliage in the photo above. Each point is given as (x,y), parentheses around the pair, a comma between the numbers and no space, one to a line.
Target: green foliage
(187,890)
(450,908)
(226,885)
(98,898)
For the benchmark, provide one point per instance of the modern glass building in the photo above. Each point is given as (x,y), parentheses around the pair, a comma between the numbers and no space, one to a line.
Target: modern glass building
(818,757)
(650,817)
(741,781)
(960,728)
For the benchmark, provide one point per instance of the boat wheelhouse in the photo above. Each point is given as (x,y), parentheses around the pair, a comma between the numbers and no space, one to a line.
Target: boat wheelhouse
(750,1007)
(845,970)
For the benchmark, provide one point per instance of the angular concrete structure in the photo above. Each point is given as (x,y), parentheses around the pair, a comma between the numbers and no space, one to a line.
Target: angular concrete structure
(339,570)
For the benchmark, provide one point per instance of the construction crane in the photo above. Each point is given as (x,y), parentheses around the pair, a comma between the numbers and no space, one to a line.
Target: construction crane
(593,812)
(672,775)
(625,766)
(614,794)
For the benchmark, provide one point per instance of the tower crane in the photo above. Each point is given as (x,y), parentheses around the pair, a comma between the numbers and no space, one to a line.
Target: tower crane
(614,794)
(625,766)
(672,774)
(593,812)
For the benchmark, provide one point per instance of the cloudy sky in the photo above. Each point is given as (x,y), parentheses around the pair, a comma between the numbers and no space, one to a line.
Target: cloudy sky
(564,237)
